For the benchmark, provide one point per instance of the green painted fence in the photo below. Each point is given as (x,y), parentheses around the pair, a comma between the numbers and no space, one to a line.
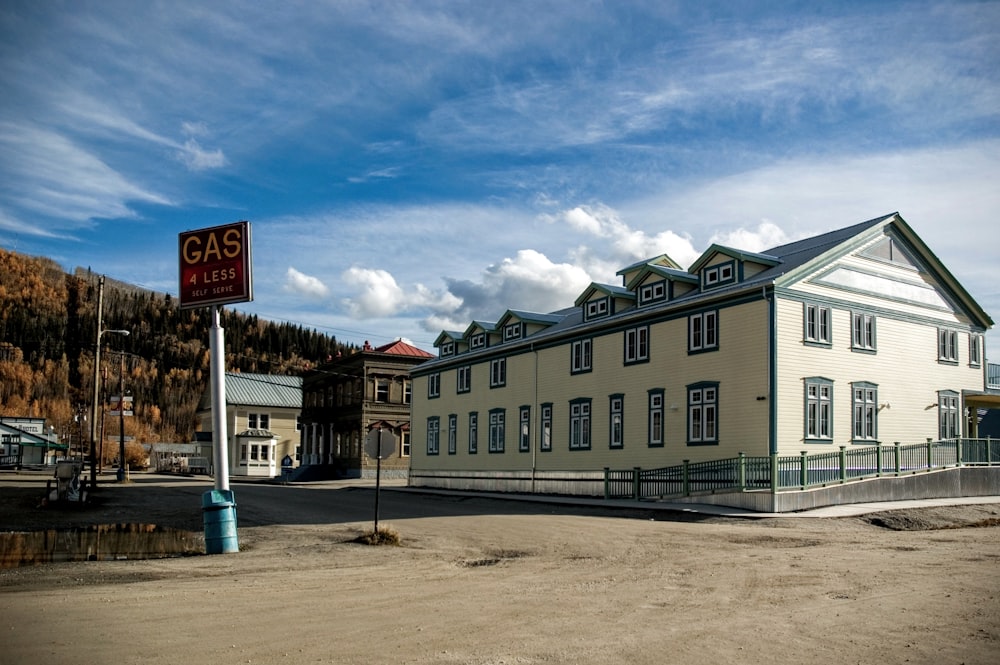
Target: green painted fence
(806,470)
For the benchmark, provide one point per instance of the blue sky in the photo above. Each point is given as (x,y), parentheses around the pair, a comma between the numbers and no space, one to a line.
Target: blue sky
(410,166)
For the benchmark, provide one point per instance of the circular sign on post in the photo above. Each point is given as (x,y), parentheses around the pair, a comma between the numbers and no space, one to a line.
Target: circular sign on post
(380,444)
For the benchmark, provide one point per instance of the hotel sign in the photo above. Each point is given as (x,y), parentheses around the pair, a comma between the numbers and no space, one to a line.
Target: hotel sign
(215,266)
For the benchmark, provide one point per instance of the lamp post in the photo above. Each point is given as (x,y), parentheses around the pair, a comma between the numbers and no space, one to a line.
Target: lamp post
(97,380)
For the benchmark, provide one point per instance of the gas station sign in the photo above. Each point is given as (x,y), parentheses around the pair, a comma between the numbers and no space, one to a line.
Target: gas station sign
(215,266)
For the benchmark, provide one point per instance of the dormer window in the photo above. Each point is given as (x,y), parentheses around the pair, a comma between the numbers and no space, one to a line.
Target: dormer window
(653,292)
(724,273)
(512,331)
(448,349)
(597,308)
(477,341)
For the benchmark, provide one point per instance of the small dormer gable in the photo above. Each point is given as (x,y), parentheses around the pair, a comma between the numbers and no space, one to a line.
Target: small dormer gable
(657,284)
(629,273)
(448,343)
(602,300)
(721,266)
(515,324)
(480,335)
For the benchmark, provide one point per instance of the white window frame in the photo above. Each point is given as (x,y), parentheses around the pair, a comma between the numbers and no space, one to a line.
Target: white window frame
(524,436)
(433,435)
(477,341)
(581,358)
(656,415)
(975,350)
(452,433)
(637,345)
(597,308)
(947,345)
(653,292)
(818,415)
(498,419)
(703,414)
(949,408)
(259,420)
(463,383)
(498,372)
(703,331)
(616,421)
(545,442)
(512,331)
(863,337)
(433,385)
(473,432)
(817,324)
(579,424)
(864,404)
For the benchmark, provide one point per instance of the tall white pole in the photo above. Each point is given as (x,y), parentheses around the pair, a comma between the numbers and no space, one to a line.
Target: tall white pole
(220,438)
(97,385)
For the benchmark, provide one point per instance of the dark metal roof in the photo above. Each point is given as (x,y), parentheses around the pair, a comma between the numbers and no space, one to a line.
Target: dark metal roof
(263,390)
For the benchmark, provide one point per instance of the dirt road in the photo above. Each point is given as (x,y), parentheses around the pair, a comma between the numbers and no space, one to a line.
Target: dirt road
(486,582)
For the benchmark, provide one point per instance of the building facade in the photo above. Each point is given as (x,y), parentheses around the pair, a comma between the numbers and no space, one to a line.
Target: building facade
(262,423)
(349,397)
(850,338)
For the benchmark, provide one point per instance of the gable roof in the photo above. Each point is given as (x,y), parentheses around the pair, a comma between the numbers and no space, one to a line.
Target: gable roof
(530,317)
(264,390)
(484,325)
(662,260)
(606,289)
(401,348)
(783,265)
(668,273)
(739,255)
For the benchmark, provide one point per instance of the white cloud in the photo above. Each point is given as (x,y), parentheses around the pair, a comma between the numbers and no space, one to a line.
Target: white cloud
(767,234)
(57,178)
(198,159)
(619,244)
(378,294)
(297,282)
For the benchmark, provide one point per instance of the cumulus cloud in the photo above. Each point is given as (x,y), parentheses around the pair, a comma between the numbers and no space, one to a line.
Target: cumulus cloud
(300,283)
(619,244)
(378,294)
(767,234)
(528,281)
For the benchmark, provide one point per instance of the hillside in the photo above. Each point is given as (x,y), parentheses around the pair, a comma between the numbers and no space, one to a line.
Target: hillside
(48,322)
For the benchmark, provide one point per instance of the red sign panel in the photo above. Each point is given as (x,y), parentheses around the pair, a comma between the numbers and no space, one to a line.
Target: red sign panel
(215,265)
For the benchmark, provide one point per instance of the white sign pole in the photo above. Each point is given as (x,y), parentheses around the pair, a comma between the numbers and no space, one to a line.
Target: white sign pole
(220,438)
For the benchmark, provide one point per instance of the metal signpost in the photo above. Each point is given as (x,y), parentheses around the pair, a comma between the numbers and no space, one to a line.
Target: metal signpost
(379,444)
(215,269)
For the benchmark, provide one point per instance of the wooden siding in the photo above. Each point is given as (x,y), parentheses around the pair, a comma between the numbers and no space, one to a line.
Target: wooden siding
(543,376)
(904,367)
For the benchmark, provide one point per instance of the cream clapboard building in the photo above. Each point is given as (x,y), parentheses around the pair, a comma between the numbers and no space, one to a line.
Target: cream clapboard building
(849,338)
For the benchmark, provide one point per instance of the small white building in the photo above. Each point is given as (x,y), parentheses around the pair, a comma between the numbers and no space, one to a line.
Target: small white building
(262,422)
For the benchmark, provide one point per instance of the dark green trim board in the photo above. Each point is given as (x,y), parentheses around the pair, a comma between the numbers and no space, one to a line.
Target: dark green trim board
(772,370)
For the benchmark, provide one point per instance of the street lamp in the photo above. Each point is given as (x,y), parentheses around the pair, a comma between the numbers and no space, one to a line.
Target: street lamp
(97,392)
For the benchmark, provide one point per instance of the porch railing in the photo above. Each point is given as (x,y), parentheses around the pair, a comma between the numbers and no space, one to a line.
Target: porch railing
(797,472)
(993,376)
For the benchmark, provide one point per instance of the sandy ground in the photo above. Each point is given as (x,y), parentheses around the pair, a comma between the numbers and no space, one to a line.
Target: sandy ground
(492,582)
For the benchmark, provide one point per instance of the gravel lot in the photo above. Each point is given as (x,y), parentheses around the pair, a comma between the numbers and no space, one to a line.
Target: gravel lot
(488,581)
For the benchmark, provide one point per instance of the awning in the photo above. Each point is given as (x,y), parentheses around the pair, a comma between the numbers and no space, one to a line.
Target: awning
(981,400)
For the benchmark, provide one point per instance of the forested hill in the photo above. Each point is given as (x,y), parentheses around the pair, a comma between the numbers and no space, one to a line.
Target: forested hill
(48,322)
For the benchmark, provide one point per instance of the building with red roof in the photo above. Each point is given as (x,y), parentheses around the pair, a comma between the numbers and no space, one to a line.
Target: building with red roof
(349,396)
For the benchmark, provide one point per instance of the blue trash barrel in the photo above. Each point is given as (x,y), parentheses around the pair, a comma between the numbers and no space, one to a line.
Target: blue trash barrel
(219,509)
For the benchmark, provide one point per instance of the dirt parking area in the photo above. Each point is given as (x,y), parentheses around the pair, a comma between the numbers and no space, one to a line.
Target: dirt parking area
(489,582)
